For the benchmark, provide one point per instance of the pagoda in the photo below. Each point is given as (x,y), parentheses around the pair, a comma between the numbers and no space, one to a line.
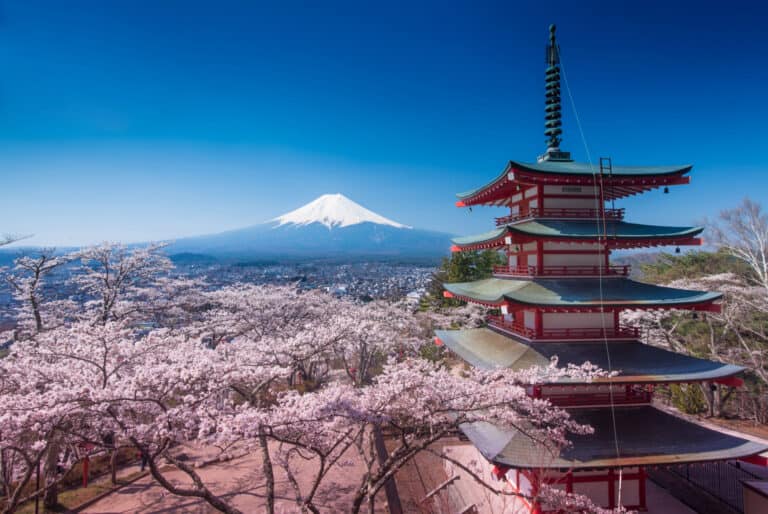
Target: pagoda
(558,295)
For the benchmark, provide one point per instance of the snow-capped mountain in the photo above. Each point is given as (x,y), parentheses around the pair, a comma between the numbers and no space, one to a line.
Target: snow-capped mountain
(330,227)
(334,211)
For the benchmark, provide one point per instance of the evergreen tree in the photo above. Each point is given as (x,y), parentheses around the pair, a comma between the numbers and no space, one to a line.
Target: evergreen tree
(461,267)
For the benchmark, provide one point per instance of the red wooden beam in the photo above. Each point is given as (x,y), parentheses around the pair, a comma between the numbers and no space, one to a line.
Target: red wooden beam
(758,460)
(499,471)
(730,381)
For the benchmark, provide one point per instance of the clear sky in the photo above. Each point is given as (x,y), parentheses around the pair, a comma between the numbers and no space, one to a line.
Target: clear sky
(145,120)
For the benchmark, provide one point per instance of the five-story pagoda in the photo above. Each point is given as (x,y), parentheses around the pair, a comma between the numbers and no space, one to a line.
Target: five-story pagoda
(558,295)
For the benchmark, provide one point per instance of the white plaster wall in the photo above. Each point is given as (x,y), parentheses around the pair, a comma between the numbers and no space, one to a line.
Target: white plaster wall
(595,491)
(630,489)
(531,191)
(529,319)
(571,203)
(578,320)
(532,259)
(573,259)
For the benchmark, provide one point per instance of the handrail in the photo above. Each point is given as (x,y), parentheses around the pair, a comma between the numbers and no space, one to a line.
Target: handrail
(535,212)
(620,332)
(578,271)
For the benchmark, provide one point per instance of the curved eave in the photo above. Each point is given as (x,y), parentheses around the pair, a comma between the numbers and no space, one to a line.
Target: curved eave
(635,362)
(647,437)
(621,182)
(594,229)
(576,293)
(525,232)
(571,168)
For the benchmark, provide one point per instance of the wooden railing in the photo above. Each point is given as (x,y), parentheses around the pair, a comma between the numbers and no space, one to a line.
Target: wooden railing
(510,326)
(535,212)
(618,398)
(553,334)
(562,271)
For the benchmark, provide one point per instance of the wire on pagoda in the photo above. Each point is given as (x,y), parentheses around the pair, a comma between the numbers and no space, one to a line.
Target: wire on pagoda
(601,217)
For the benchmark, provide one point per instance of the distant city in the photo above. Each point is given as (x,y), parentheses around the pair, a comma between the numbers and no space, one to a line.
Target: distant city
(359,280)
(362,281)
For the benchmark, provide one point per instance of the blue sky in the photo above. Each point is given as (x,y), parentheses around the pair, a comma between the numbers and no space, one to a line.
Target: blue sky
(139,120)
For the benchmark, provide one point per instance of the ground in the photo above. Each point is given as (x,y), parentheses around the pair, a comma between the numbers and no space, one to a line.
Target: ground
(240,481)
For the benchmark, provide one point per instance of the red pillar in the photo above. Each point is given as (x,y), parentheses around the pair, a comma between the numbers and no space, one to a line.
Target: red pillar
(86,461)
(539,319)
(641,488)
(540,195)
(540,256)
(535,505)
(611,490)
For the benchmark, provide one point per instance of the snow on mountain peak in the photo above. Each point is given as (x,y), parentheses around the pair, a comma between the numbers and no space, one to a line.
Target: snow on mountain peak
(334,211)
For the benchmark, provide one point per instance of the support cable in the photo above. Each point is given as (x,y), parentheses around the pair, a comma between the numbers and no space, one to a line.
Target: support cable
(600,219)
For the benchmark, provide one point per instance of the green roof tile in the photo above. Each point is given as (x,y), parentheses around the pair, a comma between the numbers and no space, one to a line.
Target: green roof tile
(580,168)
(647,436)
(574,292)
(636,362)
(581,229)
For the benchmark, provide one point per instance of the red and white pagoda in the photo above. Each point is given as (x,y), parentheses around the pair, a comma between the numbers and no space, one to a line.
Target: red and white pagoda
(558,295)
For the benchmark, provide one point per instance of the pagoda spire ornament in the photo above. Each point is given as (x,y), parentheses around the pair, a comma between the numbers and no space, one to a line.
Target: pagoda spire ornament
(552,110)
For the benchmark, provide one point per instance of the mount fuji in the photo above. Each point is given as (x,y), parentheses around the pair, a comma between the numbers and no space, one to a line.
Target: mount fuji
(331,227)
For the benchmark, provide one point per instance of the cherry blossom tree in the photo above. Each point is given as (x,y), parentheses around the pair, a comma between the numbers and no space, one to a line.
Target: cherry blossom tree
(152,362)
(111,385)
(105,385)
(373,332)
(111,273)
(27,280)
(416,403)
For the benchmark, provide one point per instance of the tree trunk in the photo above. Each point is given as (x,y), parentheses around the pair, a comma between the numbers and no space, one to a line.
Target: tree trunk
(357,503)
(266,465)
(113,467)
(51,494)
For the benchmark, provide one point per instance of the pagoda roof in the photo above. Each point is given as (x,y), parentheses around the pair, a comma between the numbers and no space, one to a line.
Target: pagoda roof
(588,230)
(646,436)
(585,168)
(635,362)
(621,181)
(577,292)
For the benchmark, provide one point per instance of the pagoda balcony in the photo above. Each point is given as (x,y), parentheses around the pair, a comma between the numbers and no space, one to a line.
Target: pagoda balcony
(561,271)
(596,399)
(563,334)
(535,212)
